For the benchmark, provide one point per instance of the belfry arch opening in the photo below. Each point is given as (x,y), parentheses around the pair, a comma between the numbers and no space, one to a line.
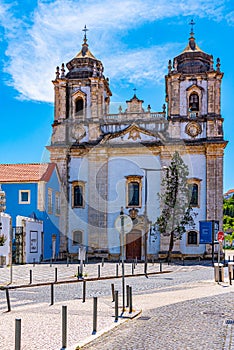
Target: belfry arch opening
(194,102)
(79,105)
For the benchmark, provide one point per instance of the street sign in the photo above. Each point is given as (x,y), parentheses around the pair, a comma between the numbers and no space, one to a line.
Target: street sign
(205,232)
(220,236)
(123,223)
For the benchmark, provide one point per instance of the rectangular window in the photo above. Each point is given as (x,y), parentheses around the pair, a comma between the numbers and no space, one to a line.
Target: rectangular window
(194,192)
(78,188)
(50,200)
(24,197)
(192,237)
(57,203)
(133,194)
(77,238)
(133,191)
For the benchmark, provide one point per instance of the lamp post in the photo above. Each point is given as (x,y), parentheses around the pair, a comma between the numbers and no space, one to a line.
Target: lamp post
(123,224)
(146,170)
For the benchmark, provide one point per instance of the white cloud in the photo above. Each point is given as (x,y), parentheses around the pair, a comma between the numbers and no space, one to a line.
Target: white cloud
(37,46)
(230,18)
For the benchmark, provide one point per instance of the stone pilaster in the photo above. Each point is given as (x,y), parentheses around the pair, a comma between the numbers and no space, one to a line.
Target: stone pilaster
(214,179)
(98,197)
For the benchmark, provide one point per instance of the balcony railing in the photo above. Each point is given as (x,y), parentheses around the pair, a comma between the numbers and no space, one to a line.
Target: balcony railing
(134,116)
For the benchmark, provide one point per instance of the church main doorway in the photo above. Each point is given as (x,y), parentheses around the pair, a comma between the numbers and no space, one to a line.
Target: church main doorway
(133,245)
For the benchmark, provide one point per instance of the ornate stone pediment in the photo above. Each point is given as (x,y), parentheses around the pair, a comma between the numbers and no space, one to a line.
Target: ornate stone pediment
(132,134)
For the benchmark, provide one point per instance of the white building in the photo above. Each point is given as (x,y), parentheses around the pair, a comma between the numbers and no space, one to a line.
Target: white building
(108,161)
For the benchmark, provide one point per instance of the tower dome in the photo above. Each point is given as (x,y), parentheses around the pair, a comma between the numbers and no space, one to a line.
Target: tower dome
(193,60)
(84,64)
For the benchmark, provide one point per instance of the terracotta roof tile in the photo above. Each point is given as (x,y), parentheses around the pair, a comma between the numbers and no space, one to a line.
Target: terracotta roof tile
(26,172)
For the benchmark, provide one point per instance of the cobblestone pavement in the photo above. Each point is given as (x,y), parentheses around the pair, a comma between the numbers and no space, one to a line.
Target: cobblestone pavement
(174,301)
(198,324)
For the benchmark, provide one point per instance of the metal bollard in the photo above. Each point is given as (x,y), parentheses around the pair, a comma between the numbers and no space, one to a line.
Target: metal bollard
(230,277)
(94,315)
(8,300)
(123,287)
(84,290)
(99,271)
(136,260)
(56,275)
(30,276)
(130,300)
(52,294)
(160,266)
(102,262)
(50,262)
(117,270)
(33,262)
(132,268)
(145,268)
(67,261)
(116,306)
(113,291)
(17,334)
(127,291)
(64,327)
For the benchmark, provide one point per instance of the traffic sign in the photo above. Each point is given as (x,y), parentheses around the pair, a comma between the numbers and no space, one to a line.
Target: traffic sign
(123,223)
(220,236)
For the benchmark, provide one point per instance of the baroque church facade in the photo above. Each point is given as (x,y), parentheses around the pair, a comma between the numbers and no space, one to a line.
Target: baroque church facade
(115,162)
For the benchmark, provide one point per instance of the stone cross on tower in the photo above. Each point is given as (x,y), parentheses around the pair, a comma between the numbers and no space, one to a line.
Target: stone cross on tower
(85,30)
(192,23)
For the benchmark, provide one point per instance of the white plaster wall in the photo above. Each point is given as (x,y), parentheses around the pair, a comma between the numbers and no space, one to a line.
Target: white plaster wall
(5,219)
(119,167)
(78,217)
(28,226)
(197,169)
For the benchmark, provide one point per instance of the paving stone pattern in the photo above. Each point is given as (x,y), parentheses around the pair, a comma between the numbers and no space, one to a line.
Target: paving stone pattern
(192,325)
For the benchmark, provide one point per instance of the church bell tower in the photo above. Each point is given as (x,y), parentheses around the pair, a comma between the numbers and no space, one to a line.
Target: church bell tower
(193,96)
(81,98)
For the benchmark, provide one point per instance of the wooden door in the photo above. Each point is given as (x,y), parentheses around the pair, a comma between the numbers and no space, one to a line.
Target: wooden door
(133,245)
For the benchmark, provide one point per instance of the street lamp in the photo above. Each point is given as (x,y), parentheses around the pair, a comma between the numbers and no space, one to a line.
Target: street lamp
(146,170)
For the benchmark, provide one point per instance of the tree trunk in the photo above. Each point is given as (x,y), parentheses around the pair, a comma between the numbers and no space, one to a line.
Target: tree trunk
(171,245)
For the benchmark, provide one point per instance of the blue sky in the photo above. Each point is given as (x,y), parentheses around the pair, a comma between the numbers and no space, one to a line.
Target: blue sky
(133,38)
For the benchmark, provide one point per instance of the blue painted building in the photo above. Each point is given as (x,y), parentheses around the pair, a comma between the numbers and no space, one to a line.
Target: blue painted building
(33,190)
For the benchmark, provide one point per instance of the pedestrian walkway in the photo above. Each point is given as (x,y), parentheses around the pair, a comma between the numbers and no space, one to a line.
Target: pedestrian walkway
(41,323)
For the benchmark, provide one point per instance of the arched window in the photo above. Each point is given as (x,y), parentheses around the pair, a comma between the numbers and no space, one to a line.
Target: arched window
(192,238)
(79,105)
(194,102)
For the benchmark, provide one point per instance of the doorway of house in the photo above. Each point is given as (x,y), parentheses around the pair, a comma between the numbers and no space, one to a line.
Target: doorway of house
(133,245)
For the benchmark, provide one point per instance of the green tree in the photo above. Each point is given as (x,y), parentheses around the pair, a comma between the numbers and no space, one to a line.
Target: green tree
(176,212)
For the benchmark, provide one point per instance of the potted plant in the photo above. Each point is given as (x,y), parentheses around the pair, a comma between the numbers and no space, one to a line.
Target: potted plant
(2,239)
